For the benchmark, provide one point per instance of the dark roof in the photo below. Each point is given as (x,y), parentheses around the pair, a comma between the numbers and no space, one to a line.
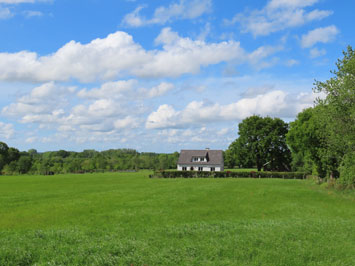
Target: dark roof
(215,157)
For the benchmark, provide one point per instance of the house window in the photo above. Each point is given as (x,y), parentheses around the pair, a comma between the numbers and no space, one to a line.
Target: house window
(200,168)
(198,159)
(184,168)
(212,169)
(191,168)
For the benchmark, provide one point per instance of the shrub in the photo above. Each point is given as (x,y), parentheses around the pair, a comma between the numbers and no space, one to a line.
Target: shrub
(227,174)
(347,171)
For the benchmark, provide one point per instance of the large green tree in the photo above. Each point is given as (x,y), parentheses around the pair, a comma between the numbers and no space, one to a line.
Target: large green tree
(262,143)
(338,115)
(306,141)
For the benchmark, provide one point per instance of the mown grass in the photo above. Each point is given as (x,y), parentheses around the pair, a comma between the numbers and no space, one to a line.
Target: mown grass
(127,218)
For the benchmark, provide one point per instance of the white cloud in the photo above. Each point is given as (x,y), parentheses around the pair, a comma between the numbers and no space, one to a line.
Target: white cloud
(95,113)
(128,89)
(118,55)
(291,3)
(159,90)
(204,32)
(278,15)
(134,19)
(49,107)
(164,117)
(315,52)
(273,103)
(44,101)
(323,35)
(5,13)
(109,90)
(6,130)
(193,137)
(180,10)
(223,131)
(127,122)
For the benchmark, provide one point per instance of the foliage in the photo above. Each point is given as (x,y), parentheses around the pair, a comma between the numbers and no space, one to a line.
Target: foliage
(347,170)
(3,154)
(307,144)
(129,219)
(262,143)
(14,162)
(338,115)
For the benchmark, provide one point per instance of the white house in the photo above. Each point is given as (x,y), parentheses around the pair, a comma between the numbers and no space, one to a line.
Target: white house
(201,160)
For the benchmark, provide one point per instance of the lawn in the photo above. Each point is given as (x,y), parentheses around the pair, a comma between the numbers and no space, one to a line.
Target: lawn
(129,219)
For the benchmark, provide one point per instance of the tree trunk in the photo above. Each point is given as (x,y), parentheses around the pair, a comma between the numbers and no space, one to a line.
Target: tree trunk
(258,163)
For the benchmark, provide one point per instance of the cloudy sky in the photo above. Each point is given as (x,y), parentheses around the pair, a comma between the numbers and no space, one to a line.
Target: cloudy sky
(159,75)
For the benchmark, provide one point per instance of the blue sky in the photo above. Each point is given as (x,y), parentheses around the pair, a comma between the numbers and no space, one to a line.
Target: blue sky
(159,75)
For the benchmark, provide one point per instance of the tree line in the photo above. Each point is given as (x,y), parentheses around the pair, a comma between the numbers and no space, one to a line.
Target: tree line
(12,161)
(321,141)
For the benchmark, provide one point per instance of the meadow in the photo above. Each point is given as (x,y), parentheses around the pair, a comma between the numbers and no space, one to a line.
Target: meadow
(130,219)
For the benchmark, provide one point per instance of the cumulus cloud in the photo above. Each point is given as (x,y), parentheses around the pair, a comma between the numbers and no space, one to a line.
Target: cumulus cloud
(49,107)
(118,54)
(322,35)
(44,101)
(110,90)
(6,130)
(194,137)
(164,117)
(273,103)
(128,89)
(180,10)
(159,90)
(278,15)
(127,122)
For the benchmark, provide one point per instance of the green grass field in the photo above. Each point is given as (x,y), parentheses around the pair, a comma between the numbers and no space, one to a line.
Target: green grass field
(129,219)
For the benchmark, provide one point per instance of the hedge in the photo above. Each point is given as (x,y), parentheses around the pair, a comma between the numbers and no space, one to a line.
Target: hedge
(226,174)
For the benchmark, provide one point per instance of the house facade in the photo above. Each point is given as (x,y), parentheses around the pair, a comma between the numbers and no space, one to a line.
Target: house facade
(201,160)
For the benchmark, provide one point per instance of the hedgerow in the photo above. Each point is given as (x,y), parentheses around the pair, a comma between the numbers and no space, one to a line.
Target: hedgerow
(227,174)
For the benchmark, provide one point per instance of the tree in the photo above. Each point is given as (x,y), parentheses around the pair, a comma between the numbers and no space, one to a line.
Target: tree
(13,154)
(306,141)
(3,154)
(24,164)
(262,142)
(237,155)
(338,114)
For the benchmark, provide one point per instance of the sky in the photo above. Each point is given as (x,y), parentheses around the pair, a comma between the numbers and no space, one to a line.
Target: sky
(160,76)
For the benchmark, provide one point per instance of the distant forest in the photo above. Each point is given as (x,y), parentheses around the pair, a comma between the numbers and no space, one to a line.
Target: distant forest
(12,161)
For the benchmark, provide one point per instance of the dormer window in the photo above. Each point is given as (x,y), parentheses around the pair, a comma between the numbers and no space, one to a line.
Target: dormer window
(199,159)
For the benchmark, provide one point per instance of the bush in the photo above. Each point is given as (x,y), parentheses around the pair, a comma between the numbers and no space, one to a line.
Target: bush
(347,171)
(227,174)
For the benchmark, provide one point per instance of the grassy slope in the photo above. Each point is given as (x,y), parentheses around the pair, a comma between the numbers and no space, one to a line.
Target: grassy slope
(125,218)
